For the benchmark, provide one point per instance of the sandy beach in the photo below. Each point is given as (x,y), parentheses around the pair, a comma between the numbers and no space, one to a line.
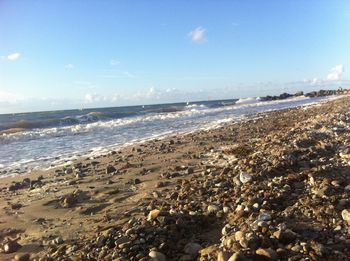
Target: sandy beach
(274,187)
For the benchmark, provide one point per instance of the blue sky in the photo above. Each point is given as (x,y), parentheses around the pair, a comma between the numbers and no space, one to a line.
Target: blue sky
(74,54)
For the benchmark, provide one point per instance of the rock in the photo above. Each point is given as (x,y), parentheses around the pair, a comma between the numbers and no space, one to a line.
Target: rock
(100,241)
(318,248)
(68,171)
(245,177)
(69,201)
(346,215)
(209,251)
(223,256)
(239,235)
(110,169)
(237,257)
(136,181)
(264,217)
(285,236)
(16,206)
(14,187)
(269,253)
(153,214)
(11,246)
(57,241)
(22,257)
(186,258)
(157,256)
(192,248)
(190,170)
(159,184)
(213,209)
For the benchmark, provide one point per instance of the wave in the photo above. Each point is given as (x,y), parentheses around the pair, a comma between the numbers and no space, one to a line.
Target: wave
(249,100)
(101,121)
(42,147)
(94,116)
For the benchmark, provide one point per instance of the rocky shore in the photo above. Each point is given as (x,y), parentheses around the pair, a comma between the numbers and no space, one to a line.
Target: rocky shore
(275,187)
(319,93)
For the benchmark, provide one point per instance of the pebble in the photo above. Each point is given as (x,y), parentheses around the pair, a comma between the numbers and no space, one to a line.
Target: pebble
(110,169)
(223,256)
(213,209)
(157,256)
(245,177)
(192,248)
(11,246)
(264,217)
(269,253)
(346,215)
(22,257)
(237,257)
(153,214)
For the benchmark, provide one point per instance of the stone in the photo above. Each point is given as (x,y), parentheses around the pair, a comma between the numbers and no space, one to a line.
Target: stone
(192,248)
(190,170)
(285,236)
(159,184)
(57,241)
(136,181)
(11,246)
(213,209)
(186,258)
(68,171)
(237,257)
(245,177)
(346,215)
(157,256)
(223,256)
(153,214)
(239,235)
(100,241)
(69,201)
(267,252)
(22,257)
(110,169)
(264,217)
(14,187)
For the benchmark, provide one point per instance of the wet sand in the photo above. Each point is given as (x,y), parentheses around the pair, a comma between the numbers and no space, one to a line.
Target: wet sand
(276,186)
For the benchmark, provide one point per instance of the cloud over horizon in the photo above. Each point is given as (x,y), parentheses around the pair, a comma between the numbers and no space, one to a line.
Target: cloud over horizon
(336,72)
(198,35)
(13,56)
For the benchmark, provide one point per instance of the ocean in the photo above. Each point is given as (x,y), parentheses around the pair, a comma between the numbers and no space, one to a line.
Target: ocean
(40,140)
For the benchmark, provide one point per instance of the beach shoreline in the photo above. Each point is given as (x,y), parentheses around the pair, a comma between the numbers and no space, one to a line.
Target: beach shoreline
(38,149)
(205,191)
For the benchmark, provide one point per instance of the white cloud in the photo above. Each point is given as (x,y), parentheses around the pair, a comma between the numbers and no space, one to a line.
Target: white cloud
(69,66)
(114,62)
(198,35)
(332,79)
(13,56)
(88,98)
(96,98)
(9,97)
(336,72)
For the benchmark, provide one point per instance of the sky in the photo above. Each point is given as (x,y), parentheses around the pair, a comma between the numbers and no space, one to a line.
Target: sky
(84,53)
